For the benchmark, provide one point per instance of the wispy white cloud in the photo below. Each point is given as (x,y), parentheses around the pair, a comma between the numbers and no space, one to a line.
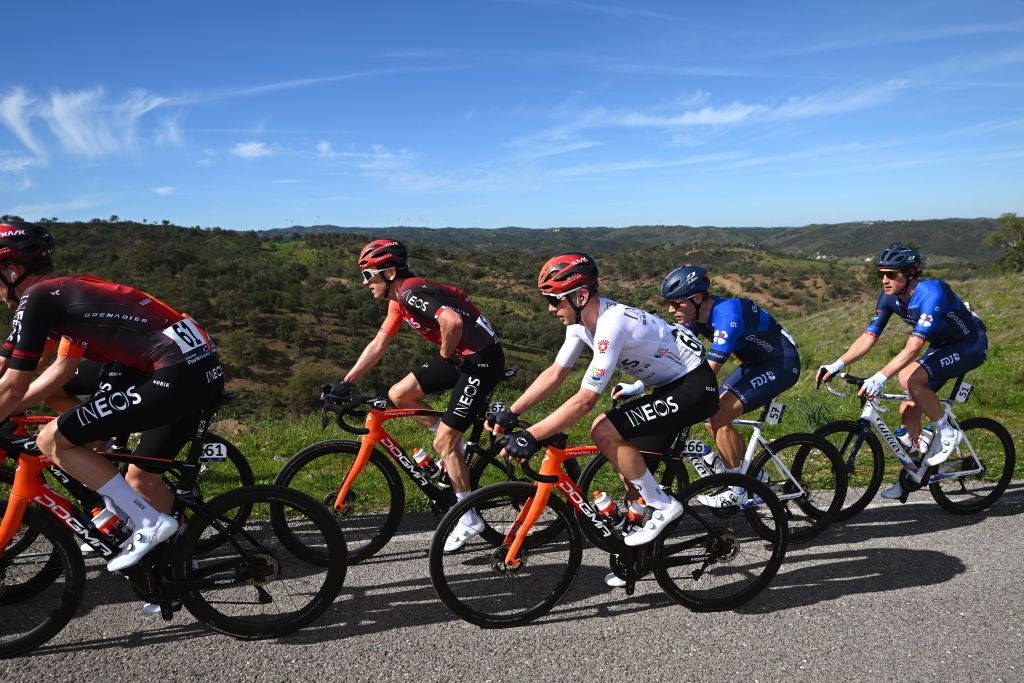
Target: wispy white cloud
(87,124)
(47,209)
(252,150)
(836,101)
(379,158)
(164,190)
(168,132)
(18,164)
(871,37)
(642,165)
(16,111)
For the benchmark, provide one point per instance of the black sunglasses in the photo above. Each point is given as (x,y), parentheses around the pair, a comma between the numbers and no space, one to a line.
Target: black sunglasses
(891,274)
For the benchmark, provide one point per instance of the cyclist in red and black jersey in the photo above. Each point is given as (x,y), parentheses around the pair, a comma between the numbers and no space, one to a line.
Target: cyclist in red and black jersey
(111,322)
(470,359)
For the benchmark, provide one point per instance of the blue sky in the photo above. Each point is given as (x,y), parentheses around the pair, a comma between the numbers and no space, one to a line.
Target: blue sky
(490,113)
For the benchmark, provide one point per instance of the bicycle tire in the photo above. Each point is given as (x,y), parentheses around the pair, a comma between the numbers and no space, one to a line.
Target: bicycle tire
(240,609)
(25,535)
(484,471)
(669,473)
(821,473)
(369,520)
(35,609)
(476,584)
(860,491)
(739,561)
(985,436)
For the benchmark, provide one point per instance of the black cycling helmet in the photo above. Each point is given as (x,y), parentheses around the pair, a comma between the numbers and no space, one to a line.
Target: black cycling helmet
(26,244)
(684,282)
(900,257)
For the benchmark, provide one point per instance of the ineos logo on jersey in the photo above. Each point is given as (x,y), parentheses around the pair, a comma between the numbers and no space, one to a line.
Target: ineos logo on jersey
(105,405)
(413,301)
(215,374)
(469,392)
(652,411)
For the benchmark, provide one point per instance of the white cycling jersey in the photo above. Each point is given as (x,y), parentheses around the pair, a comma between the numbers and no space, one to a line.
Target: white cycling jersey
(638,343)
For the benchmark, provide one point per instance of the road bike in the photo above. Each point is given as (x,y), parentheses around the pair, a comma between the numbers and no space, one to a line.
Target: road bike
(972,479)
(805,471)
(360,483)
(245,578)
(704,560)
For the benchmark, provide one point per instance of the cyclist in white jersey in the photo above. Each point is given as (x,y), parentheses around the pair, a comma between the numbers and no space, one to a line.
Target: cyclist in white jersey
(667,357)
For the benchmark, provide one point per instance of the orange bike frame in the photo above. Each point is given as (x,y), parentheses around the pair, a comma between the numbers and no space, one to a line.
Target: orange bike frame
(534,506)
(375,420)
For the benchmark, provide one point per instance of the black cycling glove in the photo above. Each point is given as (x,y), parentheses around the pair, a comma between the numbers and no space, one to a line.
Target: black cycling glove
(521,445)
(504,418)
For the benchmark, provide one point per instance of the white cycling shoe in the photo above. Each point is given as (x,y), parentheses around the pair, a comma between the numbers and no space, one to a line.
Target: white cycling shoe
(731,496)
(893,492)
(613,581)
(462,533)
(655,525)
(948,445)
(142,541)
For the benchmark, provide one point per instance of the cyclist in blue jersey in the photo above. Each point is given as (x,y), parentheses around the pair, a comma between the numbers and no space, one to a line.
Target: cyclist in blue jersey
(769,361)
(957,343)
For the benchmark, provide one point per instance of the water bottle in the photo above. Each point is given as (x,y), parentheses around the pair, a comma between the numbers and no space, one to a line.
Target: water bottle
(110,524)
(635,513)
(607,507)
(904,439)
(927,434)
(432,469)
(707,463)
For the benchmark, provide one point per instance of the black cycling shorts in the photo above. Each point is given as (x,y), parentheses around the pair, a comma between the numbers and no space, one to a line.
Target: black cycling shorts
(163,406)
(92,376)
(650,422)
(471,384)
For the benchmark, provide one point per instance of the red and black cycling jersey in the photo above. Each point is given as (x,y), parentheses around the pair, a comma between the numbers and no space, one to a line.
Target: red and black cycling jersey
(111,322)
(419,303)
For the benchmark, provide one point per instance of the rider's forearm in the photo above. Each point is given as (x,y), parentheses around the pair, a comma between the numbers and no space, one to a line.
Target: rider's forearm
(369,358)
(904,357)
(567,414)
(450,325)
(48,383)
(542,387)
(858,349)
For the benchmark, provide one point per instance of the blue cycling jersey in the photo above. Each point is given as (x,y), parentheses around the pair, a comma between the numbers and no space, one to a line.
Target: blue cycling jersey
(934,311)
(741,327)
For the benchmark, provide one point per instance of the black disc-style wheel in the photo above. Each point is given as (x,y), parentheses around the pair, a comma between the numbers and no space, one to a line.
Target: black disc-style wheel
(708,561)
(984,460)
(599,475)
(494,586)
(863,459)
(41,585)
(807,474)
(249,582)
(374,504)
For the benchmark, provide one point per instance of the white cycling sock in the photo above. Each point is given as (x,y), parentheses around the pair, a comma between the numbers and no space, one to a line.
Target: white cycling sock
(129,501)
(651,492)
(945,429)
(433,427)
(470,517)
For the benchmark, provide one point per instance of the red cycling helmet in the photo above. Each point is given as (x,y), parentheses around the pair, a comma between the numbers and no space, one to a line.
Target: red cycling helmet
(25,243)
(567,272)
(383,254)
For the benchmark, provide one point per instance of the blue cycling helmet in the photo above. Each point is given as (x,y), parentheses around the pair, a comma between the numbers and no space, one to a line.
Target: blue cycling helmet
(684,282)
(900,257)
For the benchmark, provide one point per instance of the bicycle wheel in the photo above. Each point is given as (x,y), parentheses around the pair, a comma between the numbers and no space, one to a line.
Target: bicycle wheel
(479,586)
(708,561)
(374,504)
(599,474)
(863,459)
(223,466)
(42,584)
(815,488)
(484,471)
(253,584)
(989,442)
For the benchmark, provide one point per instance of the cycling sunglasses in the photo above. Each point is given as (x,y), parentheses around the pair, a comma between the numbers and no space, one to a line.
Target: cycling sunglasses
(555,299)
(891,274)
(368,274)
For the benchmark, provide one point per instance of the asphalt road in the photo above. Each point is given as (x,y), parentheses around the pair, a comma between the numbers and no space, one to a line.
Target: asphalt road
(902,592)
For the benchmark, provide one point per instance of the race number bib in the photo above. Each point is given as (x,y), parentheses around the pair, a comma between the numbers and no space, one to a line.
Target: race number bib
(775,411)
(189,338)
(693,447)
(963,393)
(214,452)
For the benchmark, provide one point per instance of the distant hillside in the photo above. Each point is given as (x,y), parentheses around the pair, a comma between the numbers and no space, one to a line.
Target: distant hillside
(956,238)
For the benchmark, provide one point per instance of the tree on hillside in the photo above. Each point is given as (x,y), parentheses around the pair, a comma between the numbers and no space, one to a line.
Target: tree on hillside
(11,217)
(1010,235)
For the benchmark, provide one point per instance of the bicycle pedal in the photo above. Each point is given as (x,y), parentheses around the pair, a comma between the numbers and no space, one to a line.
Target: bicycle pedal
(630,587)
